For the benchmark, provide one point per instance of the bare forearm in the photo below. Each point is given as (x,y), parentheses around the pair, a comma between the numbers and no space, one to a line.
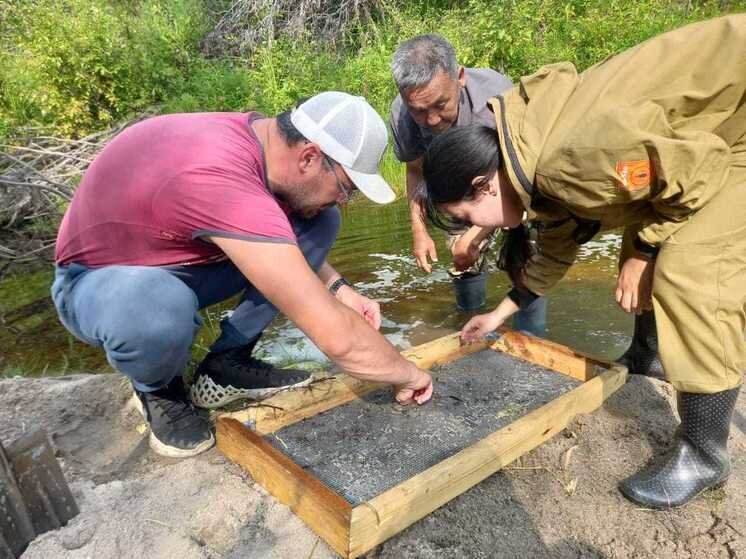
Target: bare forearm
(414,180)
(367,355)
(415,215)
(482,324)
(475,235)
(505,309)
(282,274)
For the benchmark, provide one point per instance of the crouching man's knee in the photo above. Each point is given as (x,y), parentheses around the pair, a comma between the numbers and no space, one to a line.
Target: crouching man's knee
(153,347)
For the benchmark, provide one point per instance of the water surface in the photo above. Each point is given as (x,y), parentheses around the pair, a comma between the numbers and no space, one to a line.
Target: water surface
(374,253)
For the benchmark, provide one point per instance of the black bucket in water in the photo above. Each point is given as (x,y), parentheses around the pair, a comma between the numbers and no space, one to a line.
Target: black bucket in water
(470,291)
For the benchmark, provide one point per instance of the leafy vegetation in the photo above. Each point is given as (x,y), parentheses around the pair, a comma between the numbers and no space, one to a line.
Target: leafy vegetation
(72,67)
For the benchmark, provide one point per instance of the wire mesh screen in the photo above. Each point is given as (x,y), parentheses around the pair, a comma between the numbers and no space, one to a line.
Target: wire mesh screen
(362,448)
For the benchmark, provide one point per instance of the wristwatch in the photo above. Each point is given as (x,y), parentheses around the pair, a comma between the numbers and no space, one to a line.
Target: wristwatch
(334,287)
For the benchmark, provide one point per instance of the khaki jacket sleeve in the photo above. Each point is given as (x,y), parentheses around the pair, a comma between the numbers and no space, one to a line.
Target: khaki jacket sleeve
(556,251)
(689,168)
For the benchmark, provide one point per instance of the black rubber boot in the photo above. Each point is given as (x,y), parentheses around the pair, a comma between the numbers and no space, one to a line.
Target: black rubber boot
(698,460)
(641,358)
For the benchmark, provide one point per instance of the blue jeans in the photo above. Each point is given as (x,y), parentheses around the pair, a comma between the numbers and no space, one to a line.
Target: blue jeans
(145,317)
(532,319)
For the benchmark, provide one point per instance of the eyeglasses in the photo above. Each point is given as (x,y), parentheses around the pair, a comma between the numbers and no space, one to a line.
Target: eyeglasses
(347,194)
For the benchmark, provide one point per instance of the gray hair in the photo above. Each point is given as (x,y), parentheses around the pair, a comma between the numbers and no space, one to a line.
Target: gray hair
(417,60)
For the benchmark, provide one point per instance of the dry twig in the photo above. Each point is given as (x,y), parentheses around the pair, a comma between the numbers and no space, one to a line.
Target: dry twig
(37,180)
(248,23)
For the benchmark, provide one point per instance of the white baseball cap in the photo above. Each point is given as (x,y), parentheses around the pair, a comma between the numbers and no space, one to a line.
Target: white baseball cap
(351,132)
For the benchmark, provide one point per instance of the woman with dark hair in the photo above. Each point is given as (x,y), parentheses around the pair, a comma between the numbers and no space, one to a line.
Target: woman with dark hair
(652,140)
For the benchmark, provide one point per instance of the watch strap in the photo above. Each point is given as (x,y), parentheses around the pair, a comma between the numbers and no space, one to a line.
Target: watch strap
(339,282)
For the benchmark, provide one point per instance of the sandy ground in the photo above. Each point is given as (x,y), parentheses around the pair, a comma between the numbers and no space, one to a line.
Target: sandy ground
(136,504)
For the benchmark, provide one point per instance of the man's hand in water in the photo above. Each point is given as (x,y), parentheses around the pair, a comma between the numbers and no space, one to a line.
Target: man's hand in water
(424,250)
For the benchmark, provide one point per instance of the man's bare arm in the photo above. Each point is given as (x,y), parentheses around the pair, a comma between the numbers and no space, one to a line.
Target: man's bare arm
(369,309)
(424,247)
(281,273)
(327,274)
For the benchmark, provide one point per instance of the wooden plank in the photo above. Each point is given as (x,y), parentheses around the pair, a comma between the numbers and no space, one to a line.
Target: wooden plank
(325,512)
(390,512)
(550,355)
(16,528)
(292,406)
(440,351)
(39,478)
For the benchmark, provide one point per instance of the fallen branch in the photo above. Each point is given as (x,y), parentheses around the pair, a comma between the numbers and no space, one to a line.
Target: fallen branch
(37,181)
(249,23)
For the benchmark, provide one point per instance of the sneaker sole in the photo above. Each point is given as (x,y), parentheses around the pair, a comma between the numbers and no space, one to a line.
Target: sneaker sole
(162,448)
(207,394)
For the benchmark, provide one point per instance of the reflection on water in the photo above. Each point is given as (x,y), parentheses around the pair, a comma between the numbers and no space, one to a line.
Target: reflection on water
(605,247)
(374,253)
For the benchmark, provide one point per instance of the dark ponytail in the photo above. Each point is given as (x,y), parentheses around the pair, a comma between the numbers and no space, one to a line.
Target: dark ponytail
(515,251)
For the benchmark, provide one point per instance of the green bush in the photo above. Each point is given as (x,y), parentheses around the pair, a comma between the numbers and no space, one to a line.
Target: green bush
(213,85)
(519,36)
(76,65)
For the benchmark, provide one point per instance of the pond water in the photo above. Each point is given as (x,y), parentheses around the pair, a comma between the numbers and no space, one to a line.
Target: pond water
(374,253)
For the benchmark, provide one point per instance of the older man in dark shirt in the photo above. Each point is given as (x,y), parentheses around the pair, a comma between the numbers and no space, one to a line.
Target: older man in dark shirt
(435,94)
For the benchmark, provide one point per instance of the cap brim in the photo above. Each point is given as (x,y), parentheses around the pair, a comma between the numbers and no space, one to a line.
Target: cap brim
(373,186)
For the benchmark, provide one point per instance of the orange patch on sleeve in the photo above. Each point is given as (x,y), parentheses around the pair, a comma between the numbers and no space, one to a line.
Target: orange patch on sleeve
(634,175)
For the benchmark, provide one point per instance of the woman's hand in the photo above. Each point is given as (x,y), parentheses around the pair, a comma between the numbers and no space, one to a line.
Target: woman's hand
(369,309)
(634,288)
(482,324)
(479,326)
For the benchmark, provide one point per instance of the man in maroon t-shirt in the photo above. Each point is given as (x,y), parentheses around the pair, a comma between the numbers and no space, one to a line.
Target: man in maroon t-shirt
(179,212)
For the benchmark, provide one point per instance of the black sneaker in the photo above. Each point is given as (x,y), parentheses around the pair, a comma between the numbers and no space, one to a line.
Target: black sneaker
(234,375)
(176,428)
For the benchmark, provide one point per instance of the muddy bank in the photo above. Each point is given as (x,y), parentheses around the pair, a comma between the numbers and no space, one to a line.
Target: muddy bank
(558,501)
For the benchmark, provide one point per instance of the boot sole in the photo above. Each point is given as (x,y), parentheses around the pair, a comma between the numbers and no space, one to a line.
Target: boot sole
(208,395)
(164,449)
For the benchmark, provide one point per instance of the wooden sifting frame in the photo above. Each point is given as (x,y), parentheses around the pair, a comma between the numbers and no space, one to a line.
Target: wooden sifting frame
(351,531)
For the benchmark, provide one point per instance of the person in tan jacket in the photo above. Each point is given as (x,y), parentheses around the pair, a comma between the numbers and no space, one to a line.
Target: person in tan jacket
(652,140)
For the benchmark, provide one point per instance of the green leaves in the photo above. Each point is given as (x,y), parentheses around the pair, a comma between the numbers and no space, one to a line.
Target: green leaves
(91,61)
(74,66)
